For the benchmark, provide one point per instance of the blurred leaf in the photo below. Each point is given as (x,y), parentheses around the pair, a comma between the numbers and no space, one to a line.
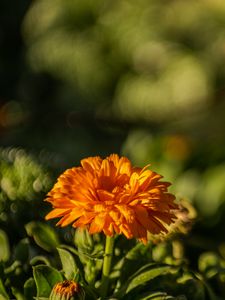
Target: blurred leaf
(193,285)
(68,263)
(21,251)
(45,278)
(12,268)
(91,271)
(159,296)
(138,251)
(195,289)
(211,293)
(160,251)
(4,249)
(3,293)
(212,188)
(30,289)
(209,261)
(144,274)
(134,259)
(38,259)
(17,294)
(22,178)
(3,298)
(43,234)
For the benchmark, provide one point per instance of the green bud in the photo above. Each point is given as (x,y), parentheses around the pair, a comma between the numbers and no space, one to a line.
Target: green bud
(67,290)
(83,239)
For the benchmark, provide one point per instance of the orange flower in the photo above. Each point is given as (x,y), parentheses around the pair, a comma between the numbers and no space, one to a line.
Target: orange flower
(67,289)
(112,196)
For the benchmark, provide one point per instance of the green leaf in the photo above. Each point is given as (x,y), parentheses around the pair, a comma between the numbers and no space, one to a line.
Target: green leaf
(21,251)
(4,249)
(40,259)
(136,257)
(68,263)
(138,251)
(147,275)
(45,278)
(30,289)
(76,258)
(193,285)
(43,234)
(18,295)
(143,275)
(209,263)
(13,267)
(90,290)
(3,298)
(3,293)
(156,296)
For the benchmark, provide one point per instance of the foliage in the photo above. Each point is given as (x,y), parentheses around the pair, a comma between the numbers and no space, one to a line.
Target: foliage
(144,278)
(30,267)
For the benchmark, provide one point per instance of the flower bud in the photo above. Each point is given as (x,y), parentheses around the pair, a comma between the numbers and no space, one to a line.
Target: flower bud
(67,290)
(83,240)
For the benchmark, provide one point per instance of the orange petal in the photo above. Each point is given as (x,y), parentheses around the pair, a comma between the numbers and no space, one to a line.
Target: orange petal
(71,217)
(124,166)
(57,212)
(114,158)
(105,195)
(65,203)
(134,182)
(110,226)
(97,224)
(126,211)
(84,220)
(91,164)
(148,221)
(126,231)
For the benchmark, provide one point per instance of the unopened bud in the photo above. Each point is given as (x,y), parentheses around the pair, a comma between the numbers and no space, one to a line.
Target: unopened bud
(67,290)
(83,239)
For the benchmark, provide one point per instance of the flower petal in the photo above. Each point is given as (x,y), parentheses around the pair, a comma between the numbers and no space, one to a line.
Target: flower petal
(97,223)
(56,213)
(71,217)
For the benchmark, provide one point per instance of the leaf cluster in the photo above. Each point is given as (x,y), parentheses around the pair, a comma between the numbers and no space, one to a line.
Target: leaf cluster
(41,256)
(138,272)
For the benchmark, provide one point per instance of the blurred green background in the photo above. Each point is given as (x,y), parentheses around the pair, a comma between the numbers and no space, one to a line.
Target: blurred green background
(145,79)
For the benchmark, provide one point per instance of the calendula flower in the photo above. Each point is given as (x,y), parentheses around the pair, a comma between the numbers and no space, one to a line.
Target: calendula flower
(112,196)
(67,290)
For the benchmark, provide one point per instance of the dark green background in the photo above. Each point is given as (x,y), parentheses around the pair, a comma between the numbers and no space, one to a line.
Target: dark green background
(139,78)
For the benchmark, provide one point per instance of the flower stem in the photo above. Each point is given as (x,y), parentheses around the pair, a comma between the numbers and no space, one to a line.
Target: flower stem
(109,245)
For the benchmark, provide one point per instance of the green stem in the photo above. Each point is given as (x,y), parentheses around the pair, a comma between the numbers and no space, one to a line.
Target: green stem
(109,245)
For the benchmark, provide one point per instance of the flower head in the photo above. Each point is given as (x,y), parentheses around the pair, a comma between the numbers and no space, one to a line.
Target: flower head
(112,196)
(67,290)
